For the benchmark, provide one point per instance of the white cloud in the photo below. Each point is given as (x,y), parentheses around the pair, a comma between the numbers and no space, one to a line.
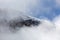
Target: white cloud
(42,32)
(27,6)
(20,5)
(56,21)
(45,31)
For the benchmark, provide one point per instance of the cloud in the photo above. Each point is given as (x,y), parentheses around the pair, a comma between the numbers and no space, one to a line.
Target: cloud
(44,31)
(47,30)
(56,21)
(34,8)
(20,5)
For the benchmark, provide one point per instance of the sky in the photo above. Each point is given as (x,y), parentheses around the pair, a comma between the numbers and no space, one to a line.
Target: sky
(37,8)
(47,8)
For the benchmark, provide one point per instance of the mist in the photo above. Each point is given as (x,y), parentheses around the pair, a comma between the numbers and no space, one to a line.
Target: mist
(16,10)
